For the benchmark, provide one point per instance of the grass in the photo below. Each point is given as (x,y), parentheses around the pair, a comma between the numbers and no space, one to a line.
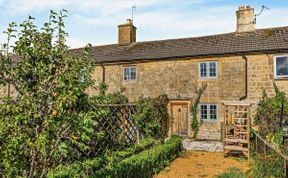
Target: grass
(232,172)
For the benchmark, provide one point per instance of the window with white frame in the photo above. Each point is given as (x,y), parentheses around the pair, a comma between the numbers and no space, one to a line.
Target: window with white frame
(281,67)
(208,70)
(209,112)
(129,73)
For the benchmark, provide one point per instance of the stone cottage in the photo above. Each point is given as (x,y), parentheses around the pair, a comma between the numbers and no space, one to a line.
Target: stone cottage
(235,66)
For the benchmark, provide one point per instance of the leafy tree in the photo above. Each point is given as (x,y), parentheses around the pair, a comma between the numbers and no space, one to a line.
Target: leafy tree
(50,121)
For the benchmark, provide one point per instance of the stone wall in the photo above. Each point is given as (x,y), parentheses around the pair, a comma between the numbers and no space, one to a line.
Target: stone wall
(180,76)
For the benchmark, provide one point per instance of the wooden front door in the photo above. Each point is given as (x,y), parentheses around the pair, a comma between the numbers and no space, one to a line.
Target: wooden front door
(180,118)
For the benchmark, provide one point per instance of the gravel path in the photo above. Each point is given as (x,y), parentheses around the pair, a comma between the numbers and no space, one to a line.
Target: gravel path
(202,164)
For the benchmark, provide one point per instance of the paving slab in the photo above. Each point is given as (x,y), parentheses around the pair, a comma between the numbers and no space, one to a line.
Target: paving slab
(209,146)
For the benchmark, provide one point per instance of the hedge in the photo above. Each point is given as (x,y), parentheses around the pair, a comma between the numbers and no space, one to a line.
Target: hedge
(88,167)
(145,164)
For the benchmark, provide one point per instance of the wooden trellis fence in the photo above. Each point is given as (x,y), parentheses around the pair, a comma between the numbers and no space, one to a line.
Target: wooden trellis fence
(237,128)
(118,125)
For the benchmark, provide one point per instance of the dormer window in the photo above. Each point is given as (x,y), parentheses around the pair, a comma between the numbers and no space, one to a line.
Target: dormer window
(281,67)
(129,73)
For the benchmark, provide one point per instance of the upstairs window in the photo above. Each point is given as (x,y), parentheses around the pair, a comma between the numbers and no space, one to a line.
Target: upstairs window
(129,73)
(209,112)
(281,67)
(208,70)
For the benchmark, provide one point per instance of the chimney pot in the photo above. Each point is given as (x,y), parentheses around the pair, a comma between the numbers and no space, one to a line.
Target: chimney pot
(129,21)
(247,7)
(241,8)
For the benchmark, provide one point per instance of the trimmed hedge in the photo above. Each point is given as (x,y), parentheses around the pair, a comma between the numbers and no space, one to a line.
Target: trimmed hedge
(126,163)
(145,164)
(88,167)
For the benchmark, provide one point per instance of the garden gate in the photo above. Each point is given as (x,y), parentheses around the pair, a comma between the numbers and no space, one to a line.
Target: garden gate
(236,136)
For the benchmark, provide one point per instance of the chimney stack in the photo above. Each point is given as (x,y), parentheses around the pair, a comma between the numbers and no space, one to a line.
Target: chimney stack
(126,33)
(245,19)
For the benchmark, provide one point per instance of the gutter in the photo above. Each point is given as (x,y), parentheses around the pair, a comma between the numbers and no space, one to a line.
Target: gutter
(246,78)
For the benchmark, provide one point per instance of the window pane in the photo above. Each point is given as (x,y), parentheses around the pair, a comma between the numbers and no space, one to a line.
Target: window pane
(126,73)
(282,66)
(213,112)
(204,111)
(133,73)
(212,66)
(203,70)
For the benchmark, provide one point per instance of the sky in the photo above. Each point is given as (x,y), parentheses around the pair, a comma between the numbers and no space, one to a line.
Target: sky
(96,21)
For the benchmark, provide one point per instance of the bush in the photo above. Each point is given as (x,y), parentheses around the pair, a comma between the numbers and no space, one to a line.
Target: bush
(83,169)
(146,163)
(268,113)
(267,166)
(152,116)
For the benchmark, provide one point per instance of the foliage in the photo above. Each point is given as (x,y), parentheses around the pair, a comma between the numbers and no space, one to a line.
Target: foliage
(146,163)
(152,115)
(50,121)
(232,172)
(88,167)
(195,123)
(267,166)
(268,114)
(110,98)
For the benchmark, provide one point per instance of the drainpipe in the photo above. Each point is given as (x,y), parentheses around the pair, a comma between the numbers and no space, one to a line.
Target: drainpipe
(103,73)
(246,78)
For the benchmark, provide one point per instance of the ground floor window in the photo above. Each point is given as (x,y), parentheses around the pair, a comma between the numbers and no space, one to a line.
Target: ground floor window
(209,112)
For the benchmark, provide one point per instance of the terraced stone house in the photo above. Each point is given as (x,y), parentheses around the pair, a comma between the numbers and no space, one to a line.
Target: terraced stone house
(235,66)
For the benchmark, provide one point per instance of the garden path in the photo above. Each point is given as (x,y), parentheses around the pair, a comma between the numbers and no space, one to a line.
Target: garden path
(202,164)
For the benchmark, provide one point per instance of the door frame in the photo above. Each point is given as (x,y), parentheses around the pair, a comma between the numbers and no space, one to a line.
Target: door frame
(171,122)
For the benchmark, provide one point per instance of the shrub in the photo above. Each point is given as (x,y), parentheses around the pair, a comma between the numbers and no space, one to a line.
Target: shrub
(87,167)
(268,113)
(152,116)
(146,163)
(267,166)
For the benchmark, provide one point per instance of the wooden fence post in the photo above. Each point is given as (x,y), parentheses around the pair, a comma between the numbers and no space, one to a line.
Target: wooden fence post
(137,136)
(123,111)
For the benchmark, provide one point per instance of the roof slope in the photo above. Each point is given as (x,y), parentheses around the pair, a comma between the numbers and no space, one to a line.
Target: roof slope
(272,39)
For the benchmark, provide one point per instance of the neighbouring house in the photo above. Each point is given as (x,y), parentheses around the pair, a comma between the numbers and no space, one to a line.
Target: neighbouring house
(235,66)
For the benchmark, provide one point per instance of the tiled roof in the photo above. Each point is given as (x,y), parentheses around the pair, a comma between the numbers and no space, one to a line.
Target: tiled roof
(272,39)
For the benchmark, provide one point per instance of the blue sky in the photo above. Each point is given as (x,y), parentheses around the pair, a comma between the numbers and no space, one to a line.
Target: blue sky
(95,21)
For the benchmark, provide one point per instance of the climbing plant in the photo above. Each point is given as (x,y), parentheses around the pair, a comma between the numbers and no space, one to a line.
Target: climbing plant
(152,115)
(195,124)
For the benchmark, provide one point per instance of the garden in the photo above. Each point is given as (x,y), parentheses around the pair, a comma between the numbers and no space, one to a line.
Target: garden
(52,128)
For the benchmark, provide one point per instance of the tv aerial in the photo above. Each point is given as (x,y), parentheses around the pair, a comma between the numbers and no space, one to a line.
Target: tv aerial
(261,11)
(133,11)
